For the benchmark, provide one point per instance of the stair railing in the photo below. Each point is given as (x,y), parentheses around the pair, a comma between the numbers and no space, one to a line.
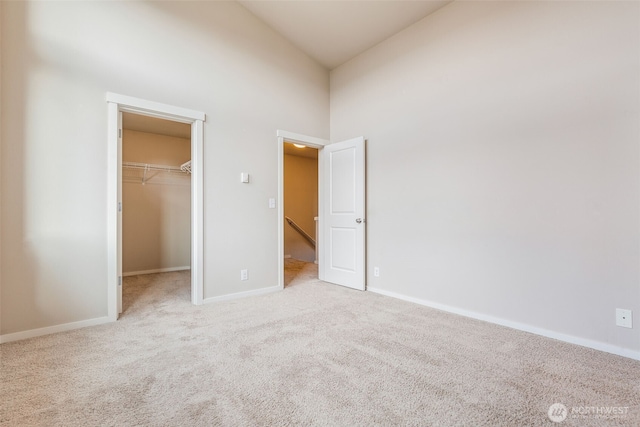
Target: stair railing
(299,229)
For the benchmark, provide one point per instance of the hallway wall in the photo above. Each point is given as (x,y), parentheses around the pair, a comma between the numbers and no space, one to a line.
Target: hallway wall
(300,204)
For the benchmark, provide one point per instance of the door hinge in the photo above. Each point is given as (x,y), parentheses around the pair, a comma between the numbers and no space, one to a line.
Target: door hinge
(119,133)
(119,280)
(119,206)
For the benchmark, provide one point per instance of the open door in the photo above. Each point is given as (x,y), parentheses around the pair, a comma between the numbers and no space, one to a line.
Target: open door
(343,228)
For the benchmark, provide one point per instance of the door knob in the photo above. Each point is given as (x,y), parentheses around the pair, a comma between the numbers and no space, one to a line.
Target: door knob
(359,220)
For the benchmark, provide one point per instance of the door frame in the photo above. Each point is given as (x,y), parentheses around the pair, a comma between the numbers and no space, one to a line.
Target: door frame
(313,142)
(117,104)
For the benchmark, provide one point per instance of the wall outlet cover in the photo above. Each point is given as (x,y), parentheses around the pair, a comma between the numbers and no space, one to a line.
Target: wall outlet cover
(624,318)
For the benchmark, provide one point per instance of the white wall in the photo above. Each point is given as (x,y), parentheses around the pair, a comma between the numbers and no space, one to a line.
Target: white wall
(503,162)
(59,59)
(156,221)
(300,204)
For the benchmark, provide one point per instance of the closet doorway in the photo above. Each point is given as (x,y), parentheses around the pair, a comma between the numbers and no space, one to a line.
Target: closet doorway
(156,200)
(117,105)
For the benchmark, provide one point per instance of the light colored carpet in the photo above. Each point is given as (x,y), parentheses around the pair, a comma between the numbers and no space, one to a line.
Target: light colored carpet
(296,271)
(313,354)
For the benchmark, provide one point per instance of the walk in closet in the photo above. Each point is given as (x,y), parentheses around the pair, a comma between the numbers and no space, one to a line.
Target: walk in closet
(156,192)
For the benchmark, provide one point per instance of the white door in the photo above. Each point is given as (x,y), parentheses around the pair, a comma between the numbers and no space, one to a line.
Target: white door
(343,222)
(119,231)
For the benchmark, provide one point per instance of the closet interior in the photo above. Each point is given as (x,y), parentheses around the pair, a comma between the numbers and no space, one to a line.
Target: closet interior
(156,193)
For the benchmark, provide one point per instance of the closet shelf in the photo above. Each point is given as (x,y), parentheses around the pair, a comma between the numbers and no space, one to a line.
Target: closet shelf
(146,171)
(186,167)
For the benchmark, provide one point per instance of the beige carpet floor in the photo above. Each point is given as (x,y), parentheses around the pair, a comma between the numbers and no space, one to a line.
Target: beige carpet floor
(313,354)
(299,271)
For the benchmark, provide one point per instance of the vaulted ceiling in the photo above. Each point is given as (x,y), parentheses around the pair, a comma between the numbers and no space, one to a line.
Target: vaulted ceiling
(329,31)
(333,32)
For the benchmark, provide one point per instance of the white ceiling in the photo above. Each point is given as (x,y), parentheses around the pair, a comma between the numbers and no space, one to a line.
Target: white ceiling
(333,32)
(329,31)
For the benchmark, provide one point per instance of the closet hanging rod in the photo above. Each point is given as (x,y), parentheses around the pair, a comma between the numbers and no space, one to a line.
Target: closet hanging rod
(151,167)
(150,170)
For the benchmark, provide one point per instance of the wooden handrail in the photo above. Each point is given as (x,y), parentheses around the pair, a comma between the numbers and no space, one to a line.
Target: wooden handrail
(299,229)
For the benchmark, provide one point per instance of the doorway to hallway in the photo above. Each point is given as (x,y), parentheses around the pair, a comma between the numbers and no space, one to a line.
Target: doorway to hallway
(341,209)
(300,177)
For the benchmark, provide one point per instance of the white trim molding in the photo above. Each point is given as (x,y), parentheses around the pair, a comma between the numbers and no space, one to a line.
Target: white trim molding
(156,270)
(310,141)
(154,109)
(197,212)
(32,333)
(596,345)
(245,294)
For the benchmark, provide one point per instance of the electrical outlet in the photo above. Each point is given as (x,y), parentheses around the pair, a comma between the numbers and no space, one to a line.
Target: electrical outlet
(244,274)
(376,272)
(623,318)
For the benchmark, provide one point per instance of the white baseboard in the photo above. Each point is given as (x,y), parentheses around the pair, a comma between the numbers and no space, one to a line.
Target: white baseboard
(157,270)
(17,336)
(596,345)
(242,294)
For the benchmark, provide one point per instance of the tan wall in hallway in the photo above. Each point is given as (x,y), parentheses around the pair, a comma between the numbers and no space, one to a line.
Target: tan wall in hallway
(300,204)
